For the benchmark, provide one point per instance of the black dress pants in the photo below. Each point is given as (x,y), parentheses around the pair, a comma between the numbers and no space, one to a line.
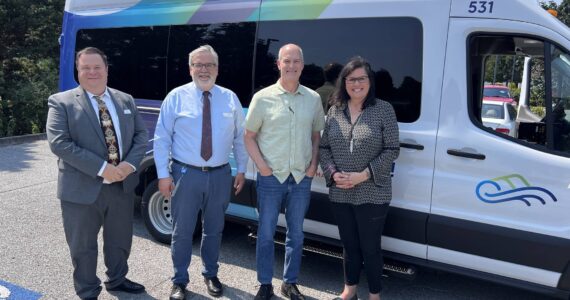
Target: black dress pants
(360,228)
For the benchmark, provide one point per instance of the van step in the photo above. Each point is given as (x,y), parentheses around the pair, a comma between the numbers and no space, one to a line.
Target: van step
(391,267)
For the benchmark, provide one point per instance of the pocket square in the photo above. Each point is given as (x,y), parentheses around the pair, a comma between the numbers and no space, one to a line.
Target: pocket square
(127,111)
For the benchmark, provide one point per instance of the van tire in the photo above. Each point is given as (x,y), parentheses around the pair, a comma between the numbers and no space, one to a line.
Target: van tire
(157,216)
(155,210)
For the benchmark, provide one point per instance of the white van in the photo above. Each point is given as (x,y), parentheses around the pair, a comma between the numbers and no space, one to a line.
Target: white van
(466,198)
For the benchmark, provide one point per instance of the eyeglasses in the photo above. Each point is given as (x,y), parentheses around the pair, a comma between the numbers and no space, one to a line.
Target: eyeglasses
(199,66)
(354,80)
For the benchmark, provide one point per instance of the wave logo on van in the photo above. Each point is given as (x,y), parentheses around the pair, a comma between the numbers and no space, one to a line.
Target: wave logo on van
(512,187)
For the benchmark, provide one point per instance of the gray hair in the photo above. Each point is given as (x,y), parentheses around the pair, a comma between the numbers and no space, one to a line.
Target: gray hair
(203,48)
(288,45)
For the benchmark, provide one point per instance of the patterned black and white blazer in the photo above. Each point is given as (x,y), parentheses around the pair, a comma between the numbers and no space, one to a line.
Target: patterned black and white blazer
(375,145)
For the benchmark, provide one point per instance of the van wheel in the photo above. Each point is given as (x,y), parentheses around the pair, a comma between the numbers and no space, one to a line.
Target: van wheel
(155,210)
(157,216)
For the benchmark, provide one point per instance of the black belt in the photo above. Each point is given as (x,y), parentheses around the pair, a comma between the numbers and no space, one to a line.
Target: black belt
(203,169)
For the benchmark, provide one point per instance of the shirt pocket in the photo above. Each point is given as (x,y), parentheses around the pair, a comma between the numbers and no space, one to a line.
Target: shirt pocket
(188,120)
(225,124)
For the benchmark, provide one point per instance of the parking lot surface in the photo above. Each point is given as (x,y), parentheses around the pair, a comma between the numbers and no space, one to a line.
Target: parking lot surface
(34,258)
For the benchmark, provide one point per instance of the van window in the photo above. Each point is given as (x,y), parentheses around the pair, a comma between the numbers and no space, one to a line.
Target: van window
(136,57)
(393,46)
(511,72)
(236,58)
(148,62)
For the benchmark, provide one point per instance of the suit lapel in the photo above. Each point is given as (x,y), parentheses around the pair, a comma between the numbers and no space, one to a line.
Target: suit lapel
(82,98)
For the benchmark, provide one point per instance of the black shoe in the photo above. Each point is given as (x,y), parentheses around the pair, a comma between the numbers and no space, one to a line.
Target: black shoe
(265,292)
(128,287)
(291,291)
(178,292)
(214,286)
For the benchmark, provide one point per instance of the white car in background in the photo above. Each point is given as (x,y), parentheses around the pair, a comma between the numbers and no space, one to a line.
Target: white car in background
(500,116)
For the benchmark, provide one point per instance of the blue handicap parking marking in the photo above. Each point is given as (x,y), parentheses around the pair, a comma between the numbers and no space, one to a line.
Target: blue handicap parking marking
(10,291)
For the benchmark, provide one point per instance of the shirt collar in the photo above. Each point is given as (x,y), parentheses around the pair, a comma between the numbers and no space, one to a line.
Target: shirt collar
(281,89)
(200,92)
(105,94)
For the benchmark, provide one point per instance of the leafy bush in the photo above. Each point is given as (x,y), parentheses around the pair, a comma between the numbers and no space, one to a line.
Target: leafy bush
(515,91)
(29,59)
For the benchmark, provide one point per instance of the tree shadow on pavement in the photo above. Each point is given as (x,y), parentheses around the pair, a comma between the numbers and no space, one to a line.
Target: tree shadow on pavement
(16,158)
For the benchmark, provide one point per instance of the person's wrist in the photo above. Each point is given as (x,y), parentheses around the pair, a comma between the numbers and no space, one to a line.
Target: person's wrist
(332,174)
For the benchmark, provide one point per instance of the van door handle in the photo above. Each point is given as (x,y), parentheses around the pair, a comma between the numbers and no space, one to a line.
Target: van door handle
(456,152)
(412,146)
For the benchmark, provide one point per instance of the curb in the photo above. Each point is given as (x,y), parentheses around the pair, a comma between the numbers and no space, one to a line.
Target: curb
(20,139)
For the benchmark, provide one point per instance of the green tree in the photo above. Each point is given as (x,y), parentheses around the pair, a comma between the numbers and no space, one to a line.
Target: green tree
(29,59)
(563,10)
(503,69)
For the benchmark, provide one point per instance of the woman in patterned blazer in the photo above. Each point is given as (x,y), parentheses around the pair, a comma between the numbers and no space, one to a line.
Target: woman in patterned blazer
(358,147)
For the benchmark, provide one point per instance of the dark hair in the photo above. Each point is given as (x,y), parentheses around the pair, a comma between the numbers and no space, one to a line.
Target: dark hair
(340,95)
(91,50)
(331,71)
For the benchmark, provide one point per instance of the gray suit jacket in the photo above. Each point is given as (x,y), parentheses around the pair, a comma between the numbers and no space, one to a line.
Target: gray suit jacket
(75,136)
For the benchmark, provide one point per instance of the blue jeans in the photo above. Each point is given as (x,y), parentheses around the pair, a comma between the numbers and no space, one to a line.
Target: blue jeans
(210,193)
(271,196)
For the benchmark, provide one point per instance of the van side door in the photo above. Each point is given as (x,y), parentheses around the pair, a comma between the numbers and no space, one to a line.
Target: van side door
(500,199)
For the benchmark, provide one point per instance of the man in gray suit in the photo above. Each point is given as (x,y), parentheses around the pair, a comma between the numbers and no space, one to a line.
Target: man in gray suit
(99,139)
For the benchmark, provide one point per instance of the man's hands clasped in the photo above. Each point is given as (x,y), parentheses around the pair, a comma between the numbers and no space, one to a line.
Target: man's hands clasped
(117,173)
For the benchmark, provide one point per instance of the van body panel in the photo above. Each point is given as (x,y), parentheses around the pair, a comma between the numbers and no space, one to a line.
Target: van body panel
(501,268)
(404,247)
(500,243)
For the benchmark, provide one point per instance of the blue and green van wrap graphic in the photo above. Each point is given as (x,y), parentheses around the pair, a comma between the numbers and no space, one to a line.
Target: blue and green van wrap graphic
(513,187)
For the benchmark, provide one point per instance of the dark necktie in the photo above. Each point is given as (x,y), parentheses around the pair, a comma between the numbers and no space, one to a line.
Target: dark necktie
(109,132)
(206,149)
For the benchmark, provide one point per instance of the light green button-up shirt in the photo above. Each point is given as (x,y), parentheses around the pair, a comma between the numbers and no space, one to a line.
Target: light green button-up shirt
(284,123)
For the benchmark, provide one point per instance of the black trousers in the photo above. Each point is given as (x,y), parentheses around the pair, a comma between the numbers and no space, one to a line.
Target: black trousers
(360,228)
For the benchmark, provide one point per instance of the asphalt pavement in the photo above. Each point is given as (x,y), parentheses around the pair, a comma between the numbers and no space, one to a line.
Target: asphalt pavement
(35,263)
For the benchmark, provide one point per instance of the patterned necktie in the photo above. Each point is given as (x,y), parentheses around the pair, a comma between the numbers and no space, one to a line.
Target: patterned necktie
(109,132)
(206,149)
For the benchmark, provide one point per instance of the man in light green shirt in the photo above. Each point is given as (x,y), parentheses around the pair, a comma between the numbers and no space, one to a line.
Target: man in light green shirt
(282,137)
